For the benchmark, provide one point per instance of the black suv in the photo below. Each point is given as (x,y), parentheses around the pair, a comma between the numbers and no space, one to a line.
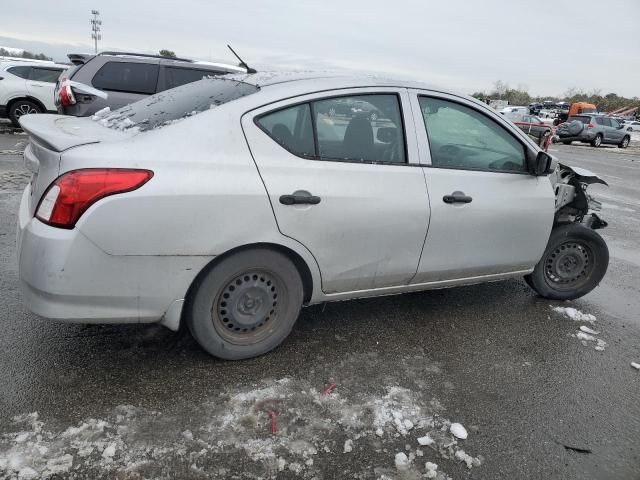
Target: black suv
(125,78)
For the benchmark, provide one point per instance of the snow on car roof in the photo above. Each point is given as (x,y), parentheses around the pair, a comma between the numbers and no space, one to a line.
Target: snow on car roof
(330,79)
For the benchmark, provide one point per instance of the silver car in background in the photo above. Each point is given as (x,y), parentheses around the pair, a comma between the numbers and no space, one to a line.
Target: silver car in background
(116,79)
(228,203)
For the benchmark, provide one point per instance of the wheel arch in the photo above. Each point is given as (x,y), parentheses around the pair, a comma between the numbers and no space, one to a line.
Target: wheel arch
(27,98)
(296,259)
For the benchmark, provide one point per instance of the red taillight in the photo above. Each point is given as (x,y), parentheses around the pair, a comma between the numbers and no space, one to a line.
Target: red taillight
(65,95)
(590,125)
(73,193)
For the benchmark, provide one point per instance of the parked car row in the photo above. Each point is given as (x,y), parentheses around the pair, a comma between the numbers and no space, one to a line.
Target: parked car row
(31,86)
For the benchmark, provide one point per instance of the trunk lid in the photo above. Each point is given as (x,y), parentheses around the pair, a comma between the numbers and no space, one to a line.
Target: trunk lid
(49,137)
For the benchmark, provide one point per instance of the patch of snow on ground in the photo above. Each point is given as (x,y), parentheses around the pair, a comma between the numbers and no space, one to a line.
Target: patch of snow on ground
(574,314)
(458,431)
(588,330)
(134,442)
(635,365)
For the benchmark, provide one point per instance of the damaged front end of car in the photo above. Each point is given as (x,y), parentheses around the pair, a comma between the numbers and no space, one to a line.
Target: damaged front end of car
(573,203)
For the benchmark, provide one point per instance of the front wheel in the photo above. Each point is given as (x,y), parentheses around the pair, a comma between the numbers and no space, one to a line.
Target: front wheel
(625,142)
(246,305)
(573,264)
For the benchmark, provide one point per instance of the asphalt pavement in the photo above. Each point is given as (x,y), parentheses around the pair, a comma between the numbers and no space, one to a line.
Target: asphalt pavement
(353,388)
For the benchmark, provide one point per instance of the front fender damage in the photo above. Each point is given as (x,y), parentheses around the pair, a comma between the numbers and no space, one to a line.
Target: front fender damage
(573,203)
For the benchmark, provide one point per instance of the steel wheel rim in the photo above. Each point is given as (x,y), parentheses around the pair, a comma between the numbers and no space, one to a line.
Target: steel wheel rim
(24,110)
(569,266)
(248,308)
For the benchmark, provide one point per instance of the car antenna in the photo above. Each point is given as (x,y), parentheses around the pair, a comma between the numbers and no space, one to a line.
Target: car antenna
(242,62)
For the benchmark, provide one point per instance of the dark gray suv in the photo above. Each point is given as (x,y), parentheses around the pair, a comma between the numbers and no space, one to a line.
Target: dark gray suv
(594,129)
(125,78)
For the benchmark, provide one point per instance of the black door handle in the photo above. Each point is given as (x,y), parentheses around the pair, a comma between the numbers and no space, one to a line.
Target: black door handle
(299,200)
(457,197)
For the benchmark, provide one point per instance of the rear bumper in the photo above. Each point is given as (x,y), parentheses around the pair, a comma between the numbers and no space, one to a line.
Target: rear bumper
(65,276)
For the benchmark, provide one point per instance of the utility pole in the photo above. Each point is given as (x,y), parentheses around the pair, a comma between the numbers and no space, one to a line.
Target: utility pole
(95,28)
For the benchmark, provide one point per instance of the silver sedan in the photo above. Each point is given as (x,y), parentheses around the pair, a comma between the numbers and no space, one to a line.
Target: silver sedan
(231,202)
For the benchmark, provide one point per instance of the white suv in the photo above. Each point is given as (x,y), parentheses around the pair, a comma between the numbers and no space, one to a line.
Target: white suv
(26,86)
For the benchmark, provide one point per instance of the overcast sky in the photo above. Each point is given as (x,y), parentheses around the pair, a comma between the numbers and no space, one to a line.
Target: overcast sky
(544,46)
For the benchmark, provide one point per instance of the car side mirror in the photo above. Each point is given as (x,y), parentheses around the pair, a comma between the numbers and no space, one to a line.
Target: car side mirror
(541,164)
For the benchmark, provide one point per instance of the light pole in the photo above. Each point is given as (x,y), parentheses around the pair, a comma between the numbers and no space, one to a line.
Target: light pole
(95,28)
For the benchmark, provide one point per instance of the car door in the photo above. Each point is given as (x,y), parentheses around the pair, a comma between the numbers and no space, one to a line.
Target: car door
(41,83)
(346,186)
(616,132)
(488,216)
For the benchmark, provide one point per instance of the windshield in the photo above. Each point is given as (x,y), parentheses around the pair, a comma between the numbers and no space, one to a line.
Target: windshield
(174,105)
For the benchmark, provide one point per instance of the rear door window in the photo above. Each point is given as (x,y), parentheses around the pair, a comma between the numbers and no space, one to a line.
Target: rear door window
(180,76)
(21,71)
(127,77)
(49,75)
(291,128)
(360,128)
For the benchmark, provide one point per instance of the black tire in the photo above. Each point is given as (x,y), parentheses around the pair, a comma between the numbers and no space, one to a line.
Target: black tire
(567,142)
(246,305)
(20,108)
(596,142)
(625,142)
(573,264)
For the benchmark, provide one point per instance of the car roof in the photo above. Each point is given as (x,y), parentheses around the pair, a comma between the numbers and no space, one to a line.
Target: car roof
(300,80)
(30,63)
(83,58)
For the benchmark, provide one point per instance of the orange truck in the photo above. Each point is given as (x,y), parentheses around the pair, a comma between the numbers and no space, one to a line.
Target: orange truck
(577,108)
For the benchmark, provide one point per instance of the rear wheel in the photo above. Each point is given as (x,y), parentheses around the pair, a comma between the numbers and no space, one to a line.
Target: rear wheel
(596,142)
(20,108)
(246,305)
(625,142)
(573,264)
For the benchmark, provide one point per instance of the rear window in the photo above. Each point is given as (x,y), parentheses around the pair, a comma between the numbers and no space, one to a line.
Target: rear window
(582,119)
(45,74)
(127,77)
(21,71)
(173,105)
(181,76)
